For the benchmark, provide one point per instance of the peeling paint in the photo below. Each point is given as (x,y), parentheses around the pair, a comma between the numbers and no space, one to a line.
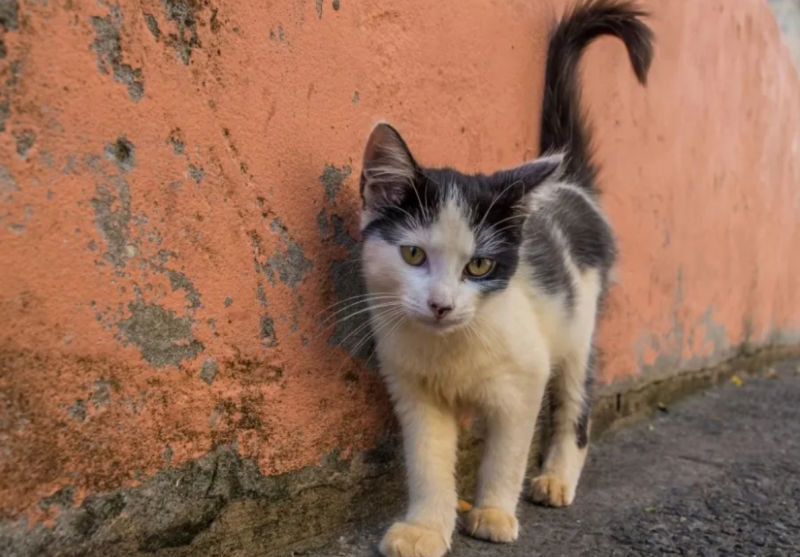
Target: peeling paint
(9,14)
(108,47)
(267,331)
(122,152)
(209,370)
(332,179)
(290,263)
(176,140)
(63,499)
(162,337)
(5,114)
(183,14)
(152,26)
(335,229)
(77,410)
(214,21)
(322,224)
(261,295)
(279,36)
(7,184)
(16,69)
(25,139)
(101,394)
(341,235)
(196,173)
(112,209)
(179,281)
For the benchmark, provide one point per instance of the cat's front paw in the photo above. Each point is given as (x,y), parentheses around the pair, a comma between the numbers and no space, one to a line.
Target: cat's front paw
(491,523)
(551,491)
(404,539)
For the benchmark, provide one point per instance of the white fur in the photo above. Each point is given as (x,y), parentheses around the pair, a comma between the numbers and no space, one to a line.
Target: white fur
(493,353)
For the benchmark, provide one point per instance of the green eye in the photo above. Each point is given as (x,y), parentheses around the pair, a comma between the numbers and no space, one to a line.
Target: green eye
(413,255)
(479,267)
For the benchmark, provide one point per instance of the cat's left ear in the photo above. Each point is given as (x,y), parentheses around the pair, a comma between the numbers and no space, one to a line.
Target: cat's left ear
(388,171)
(525,177)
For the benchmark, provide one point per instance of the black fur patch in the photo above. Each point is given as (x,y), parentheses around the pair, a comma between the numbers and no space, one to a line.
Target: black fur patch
(590,241)
(582,425)
(417,207)
(563,125)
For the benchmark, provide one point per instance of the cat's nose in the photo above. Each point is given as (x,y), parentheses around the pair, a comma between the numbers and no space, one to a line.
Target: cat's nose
(439,310)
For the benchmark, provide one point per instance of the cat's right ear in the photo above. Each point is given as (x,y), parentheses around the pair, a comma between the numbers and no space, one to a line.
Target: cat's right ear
(388,171)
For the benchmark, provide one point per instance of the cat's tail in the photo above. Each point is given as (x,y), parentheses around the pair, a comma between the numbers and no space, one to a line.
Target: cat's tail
(564,126)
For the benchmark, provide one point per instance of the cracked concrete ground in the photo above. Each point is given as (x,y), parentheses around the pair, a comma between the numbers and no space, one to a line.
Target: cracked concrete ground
(716,474)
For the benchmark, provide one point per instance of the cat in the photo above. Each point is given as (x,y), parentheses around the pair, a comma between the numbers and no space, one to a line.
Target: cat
(483,291)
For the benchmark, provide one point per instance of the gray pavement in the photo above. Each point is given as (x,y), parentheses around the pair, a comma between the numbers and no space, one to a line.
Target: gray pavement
(716,474)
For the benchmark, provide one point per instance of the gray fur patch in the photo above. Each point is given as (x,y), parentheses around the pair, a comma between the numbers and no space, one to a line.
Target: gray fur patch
(590,241)
(543,253)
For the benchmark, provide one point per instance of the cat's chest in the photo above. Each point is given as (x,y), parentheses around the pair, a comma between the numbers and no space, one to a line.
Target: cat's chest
(461,368)
(456,358)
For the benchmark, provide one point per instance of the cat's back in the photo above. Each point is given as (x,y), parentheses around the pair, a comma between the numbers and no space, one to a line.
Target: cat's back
(566,236)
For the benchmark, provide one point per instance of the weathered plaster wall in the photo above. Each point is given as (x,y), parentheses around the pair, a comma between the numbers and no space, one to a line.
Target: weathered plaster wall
(178,208)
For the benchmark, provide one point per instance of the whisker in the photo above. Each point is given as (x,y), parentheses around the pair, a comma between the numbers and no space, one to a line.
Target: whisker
(335,313)
(342,301)
(390,318)
(394,318)
(363,325)
(328,324)
(397,321)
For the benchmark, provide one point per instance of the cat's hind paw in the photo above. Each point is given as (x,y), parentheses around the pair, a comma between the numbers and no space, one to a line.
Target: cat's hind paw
(404,539)
(493,524)
(551,491)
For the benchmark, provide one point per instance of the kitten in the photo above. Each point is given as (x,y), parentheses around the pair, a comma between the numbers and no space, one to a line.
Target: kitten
(481,287)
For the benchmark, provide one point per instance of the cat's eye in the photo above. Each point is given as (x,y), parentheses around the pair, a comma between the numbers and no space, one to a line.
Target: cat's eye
(413,255)
(479,267)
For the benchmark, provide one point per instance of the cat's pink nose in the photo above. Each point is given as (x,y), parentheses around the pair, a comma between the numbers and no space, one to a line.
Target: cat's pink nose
(439,310)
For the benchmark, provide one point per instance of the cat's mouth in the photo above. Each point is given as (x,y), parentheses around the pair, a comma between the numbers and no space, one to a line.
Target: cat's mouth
(442,325)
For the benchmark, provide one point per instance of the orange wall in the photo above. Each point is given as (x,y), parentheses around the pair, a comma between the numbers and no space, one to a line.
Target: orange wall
(173,204)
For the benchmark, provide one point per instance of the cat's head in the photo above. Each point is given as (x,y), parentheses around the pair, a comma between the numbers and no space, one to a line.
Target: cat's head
(437,243)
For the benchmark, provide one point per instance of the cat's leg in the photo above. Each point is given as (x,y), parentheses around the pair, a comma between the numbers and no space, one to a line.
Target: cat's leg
(564,458)
(430,435)
(502,470)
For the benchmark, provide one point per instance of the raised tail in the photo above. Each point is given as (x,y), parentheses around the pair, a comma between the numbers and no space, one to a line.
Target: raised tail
(564,126)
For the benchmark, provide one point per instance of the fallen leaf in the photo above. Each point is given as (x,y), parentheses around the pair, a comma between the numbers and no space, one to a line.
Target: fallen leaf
(736,380)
